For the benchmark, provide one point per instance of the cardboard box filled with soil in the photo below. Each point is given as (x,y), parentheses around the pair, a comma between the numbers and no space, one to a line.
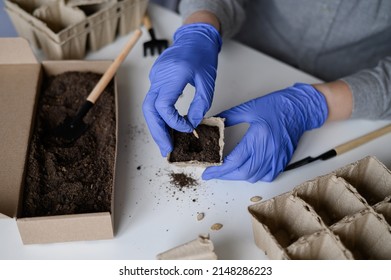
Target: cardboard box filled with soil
(204,148)
(58,190)
(74,177)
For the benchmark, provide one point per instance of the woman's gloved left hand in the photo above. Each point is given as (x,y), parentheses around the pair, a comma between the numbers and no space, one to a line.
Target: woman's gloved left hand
(192,59)
(277,121)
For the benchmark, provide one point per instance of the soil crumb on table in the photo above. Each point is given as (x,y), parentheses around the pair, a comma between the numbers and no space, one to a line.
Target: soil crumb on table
(206,148)
(76,177)
(182,180)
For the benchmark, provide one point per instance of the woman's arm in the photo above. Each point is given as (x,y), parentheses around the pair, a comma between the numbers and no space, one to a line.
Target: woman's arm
(205,17)
(230,14)
(365,94)
(337,93)
(339,99)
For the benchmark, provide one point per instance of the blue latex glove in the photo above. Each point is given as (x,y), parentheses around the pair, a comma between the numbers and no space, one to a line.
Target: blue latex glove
(191,59)
(277,121)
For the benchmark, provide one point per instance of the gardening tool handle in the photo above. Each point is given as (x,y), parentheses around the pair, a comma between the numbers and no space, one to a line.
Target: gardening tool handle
(110,72)
(147,21)
(362,140)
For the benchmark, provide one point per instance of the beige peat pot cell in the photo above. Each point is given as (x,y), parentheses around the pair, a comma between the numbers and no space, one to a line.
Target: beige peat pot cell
(204,147)
(200,248)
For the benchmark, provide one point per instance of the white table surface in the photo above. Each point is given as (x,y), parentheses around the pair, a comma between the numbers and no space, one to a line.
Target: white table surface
(150,217)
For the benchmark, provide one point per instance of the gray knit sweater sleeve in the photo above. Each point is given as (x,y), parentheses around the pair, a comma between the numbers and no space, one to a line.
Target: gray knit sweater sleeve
(229,12)
(371,90)
(371,87)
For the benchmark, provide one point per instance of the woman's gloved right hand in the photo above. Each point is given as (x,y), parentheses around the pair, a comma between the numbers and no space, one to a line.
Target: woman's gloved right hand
(192,59)
(277,122)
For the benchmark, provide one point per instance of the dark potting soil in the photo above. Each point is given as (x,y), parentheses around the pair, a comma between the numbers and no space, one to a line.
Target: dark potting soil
(77,177)
(206,148)
(182,180)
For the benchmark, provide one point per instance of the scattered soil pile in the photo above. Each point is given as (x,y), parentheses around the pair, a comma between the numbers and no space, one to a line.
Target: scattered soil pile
(181,181)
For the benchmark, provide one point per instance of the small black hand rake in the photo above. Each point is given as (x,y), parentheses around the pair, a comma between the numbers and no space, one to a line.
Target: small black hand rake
(154,44)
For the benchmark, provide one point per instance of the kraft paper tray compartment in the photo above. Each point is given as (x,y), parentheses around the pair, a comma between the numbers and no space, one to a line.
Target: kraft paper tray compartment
(370,177)
(74,3)
(366,234)
(57,16)
(29,5)
(331,197)
(120,17)
(322,245)
(50,16)
(281,221)
(131,14)
(20,12)
(102,24)
(384,208)
(69,42)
